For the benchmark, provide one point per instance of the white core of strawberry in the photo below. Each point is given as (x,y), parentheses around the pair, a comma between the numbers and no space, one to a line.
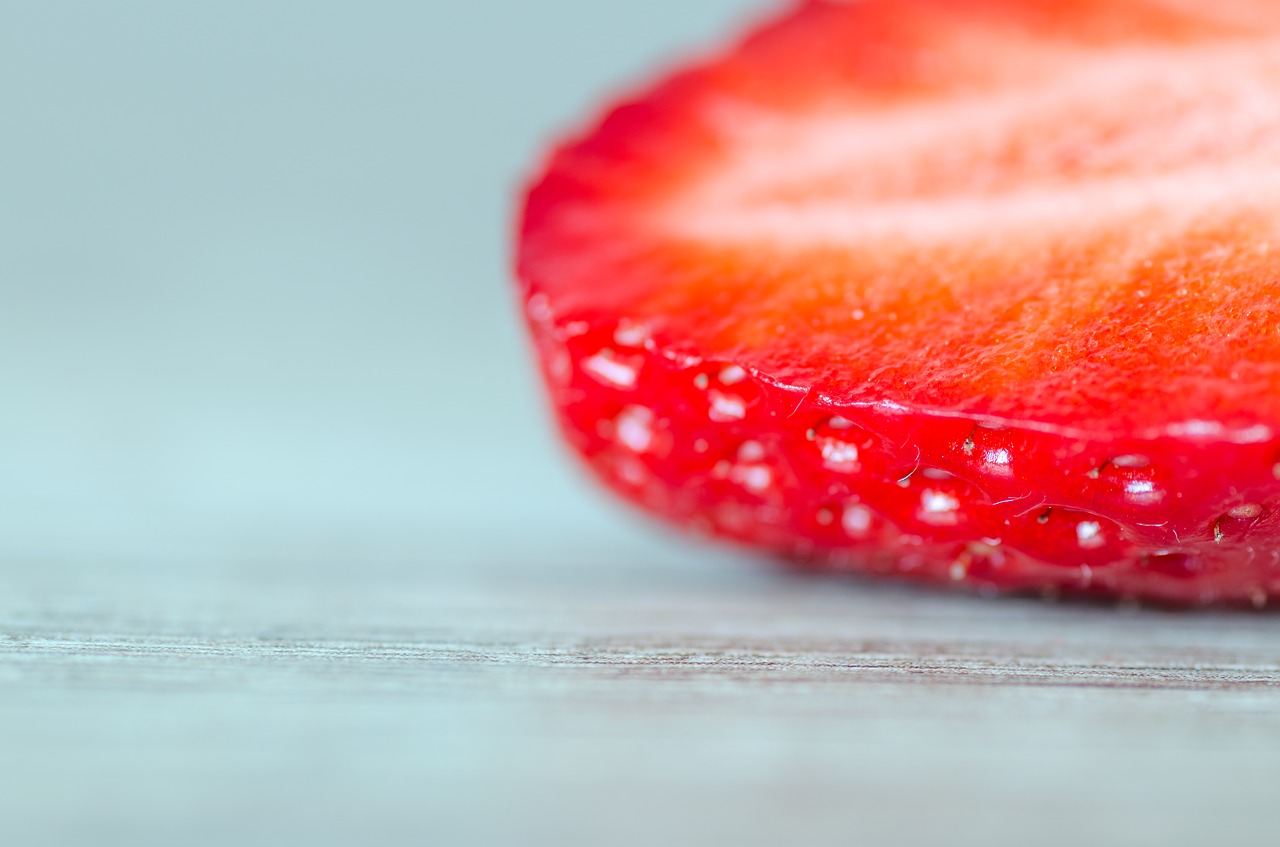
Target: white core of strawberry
(1042,155)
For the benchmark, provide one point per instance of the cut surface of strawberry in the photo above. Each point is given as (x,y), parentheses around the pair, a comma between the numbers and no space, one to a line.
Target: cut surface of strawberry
(976,291)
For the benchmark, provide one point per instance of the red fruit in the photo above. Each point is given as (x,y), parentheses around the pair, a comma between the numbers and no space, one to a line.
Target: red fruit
(984,291)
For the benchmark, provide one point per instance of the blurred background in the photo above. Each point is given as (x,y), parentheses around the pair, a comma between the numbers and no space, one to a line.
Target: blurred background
(255,297)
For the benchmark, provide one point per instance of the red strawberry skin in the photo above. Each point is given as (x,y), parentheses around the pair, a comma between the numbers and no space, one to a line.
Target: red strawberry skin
(972,291)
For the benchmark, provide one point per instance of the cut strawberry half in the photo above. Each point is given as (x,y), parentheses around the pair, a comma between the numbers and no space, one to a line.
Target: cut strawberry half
(978,291)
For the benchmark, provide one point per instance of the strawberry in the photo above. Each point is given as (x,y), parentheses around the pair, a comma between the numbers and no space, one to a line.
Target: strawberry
(983,292)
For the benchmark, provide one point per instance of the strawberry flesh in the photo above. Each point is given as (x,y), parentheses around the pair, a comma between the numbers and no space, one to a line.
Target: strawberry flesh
(975,291)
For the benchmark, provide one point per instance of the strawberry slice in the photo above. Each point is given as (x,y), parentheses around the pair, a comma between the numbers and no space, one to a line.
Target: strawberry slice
(976,291)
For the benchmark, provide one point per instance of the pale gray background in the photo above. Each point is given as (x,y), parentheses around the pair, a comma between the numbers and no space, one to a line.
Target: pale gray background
(288,554)
(254,268)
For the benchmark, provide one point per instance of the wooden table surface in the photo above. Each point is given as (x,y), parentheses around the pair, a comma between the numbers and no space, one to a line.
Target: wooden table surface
(647,692)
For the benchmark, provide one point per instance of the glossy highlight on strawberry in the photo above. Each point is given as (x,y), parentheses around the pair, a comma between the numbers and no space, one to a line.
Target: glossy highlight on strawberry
(976,291)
